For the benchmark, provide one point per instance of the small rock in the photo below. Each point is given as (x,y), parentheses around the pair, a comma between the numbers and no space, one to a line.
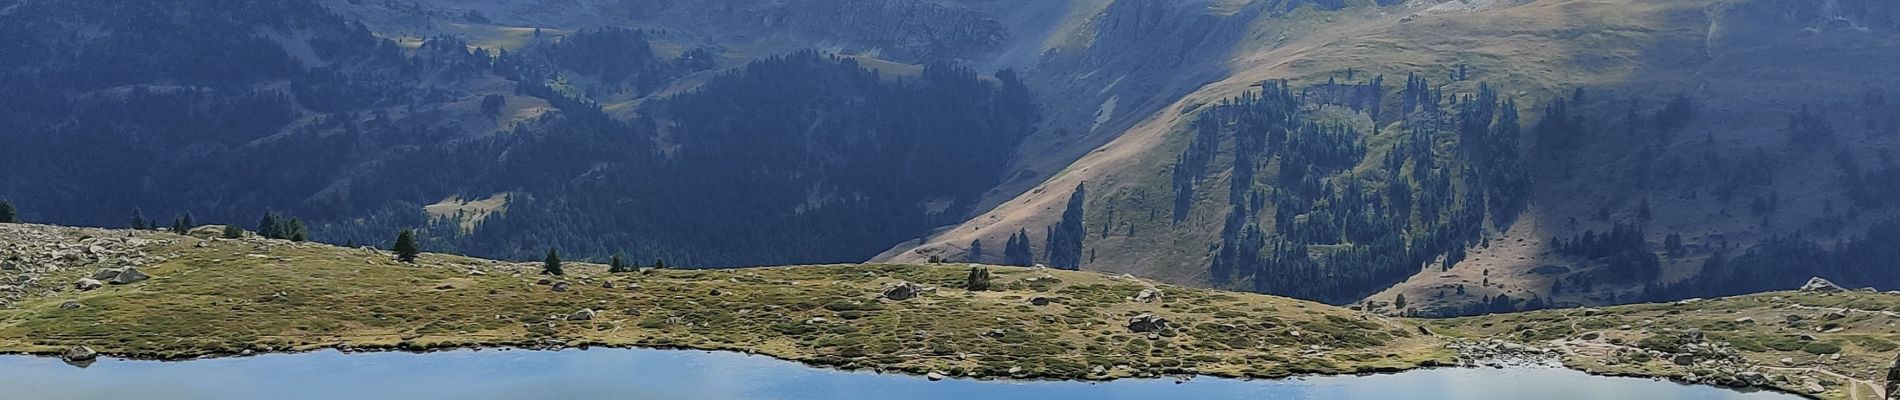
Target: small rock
(1744,320)
(607,285)
(69,305)
(85,284)
(934,376)
(1591,312)
(560,286)
(1039,301)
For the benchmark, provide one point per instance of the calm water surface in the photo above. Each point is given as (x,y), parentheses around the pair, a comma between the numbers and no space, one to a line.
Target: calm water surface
(697,375)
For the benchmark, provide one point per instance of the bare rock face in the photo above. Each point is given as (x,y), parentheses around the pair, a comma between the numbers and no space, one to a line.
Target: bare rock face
(1819,285)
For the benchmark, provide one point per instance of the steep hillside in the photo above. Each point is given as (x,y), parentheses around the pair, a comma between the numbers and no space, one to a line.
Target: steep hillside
(1679,119)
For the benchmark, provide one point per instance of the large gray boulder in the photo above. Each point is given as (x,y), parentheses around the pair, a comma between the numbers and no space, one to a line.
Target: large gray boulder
(121,276)
(129,275)
(1147,323)
(902,291)
(1148,295)
(1820,285)
(79,353)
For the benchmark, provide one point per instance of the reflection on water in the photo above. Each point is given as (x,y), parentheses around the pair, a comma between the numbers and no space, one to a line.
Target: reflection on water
(695,375)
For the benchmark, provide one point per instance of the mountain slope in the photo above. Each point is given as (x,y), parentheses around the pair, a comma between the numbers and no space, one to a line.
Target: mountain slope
(1728,58)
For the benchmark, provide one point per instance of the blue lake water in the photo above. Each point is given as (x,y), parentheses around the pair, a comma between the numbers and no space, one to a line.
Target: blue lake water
(698,375)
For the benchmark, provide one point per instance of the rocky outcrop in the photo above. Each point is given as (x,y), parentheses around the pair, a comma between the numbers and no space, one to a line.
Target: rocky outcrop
(1820,285)
(29,252)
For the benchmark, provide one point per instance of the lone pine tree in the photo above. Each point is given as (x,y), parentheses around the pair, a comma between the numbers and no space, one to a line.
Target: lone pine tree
(552,265)
(406,248)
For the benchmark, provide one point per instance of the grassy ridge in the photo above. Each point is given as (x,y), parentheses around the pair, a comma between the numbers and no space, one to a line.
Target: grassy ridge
(251,295)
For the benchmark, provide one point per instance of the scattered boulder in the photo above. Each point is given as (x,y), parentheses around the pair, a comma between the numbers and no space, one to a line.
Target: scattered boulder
(1147,323)
(1820,285)
(1683,359)
(79,353)
(1148,295)
(901,291)
(70,305)
(85,284)
(1591,312)
(1745,320)
(1814,387)
(934,376)
(584,314)
(1590,336)
(997,333)
(121,276)
(1039,301)
(560,286)
(607,284)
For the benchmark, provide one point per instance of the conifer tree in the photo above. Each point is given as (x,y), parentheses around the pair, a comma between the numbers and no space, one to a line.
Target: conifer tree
(295,230)
(270,227)
(616,265)
(552,265)
(138,219)
(1065,237)
(8,214)
(233,232)
(406,248)
(979,279)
